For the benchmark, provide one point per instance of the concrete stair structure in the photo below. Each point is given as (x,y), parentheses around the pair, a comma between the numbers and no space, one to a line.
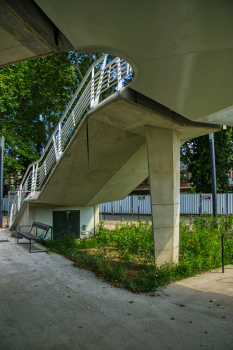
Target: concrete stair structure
(117,151)
(125,134)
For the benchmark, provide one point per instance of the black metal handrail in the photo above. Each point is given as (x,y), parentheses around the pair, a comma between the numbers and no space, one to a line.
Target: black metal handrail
(226,233)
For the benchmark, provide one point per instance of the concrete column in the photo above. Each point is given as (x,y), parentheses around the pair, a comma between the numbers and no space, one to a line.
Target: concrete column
(96,217)
(163,150)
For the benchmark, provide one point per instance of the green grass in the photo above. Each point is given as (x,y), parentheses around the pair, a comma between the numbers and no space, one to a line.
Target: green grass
(124,256)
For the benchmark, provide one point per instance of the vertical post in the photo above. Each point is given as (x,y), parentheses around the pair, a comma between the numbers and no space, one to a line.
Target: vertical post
(19,212)
(163,150)
(119,74)
(227,204)
(222,254)
(200,205)
(1,176)
(213,174)
(55,148)
(8,209)
(92,101)
(51,242)
(59,140)
(98,91)
(104,213)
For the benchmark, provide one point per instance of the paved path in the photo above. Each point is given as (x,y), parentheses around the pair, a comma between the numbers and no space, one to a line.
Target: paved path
(45,303)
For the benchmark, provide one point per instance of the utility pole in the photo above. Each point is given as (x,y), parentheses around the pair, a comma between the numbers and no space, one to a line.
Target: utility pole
(1,177)
(213,175)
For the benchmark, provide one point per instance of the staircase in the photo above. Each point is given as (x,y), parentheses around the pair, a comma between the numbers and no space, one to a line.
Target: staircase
(103,81)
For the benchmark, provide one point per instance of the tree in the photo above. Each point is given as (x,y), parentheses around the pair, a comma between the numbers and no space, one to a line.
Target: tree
(195,153)
(33,97)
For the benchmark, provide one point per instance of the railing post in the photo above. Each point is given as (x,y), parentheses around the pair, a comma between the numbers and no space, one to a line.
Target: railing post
(55,148)
(34,176)
(33,172)
(73,118)
(92,101)
(98,91)
(222,254)
(45,169)
(20,197)
(59,140)
(119,74)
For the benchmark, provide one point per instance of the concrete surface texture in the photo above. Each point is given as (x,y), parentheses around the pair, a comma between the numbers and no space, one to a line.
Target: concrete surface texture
(117,148)
(181,52)
(45,303)
(163,149)
(26,32)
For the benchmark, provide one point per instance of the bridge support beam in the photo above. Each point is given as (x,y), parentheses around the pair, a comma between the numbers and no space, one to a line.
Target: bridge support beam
(163,149)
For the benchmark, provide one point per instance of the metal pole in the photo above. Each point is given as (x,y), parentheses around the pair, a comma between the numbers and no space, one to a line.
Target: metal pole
(1,176)
(213,174)
(19,211)
(222,255)
(8,209)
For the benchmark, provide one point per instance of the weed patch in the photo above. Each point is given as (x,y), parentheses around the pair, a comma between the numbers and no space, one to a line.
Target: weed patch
(124,256)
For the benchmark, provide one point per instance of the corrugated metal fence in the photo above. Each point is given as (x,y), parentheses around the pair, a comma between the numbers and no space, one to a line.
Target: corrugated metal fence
(189,204)
(5,204)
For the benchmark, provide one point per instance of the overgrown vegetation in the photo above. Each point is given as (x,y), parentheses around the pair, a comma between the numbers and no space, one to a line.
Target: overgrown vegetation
(124,256)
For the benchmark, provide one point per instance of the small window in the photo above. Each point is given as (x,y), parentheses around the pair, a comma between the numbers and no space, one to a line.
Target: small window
(184,177)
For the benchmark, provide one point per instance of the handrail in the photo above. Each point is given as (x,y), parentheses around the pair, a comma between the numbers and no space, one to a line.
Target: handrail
(226,233)
(110,75)
(64,114)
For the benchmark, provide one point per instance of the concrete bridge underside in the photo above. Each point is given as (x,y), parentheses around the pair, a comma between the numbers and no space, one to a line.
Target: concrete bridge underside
(130,136)
(181,51)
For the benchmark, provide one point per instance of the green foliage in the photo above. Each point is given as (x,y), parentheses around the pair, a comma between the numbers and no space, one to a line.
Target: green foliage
(200,250)
(66,245)
(129,238)
(195,153)
(33,97)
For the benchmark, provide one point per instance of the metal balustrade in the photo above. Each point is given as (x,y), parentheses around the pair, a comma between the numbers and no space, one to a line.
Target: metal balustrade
(102,80)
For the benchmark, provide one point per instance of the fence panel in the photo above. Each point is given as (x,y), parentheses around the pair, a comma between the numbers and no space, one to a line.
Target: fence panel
(107,207)
(5,204)
(123,206)
(206,203)
(230,203)
(143,204)
(222,203)
(189,203)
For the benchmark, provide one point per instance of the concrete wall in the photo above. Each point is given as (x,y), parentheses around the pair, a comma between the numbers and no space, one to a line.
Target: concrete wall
(87,217)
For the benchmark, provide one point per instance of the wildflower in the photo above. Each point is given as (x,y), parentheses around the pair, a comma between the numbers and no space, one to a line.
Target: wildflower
(136,238)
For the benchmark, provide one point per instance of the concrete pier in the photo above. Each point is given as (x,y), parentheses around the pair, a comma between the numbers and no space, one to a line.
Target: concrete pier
(163,149)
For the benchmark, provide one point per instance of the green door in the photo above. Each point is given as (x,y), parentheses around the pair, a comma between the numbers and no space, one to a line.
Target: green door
(65,222)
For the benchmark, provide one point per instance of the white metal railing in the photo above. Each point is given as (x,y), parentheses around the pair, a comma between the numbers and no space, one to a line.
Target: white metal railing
(105,77)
